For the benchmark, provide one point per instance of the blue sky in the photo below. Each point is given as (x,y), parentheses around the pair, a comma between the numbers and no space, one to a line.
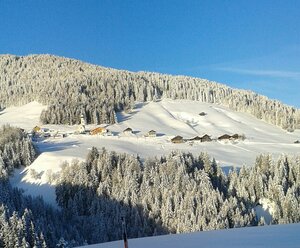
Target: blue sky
(245,44)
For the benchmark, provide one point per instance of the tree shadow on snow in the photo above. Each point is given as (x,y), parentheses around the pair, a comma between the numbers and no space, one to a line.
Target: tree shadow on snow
(121,116)
(54,147)
(160,134)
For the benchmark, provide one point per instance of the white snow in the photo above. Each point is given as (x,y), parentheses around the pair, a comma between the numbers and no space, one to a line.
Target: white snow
(24,116)
(168,118)
(277,236)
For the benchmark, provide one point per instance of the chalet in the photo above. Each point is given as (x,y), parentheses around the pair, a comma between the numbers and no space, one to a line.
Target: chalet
(196,138)
(206,138)
(98,131)
(43,132)
(36,129)
(151,133)
(235,136)
(177,139)
(224,137)
(128,130)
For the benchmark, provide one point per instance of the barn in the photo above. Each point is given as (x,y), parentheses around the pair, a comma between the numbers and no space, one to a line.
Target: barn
(151,133)
(196,138)
(128,130)
(206,138)
(224,137)
(177,139)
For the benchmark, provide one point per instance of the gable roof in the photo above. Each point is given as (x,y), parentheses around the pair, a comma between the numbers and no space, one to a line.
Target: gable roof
(195,138)
(235,136)
(98,130)
(177,139)
(224,136)
(206,137)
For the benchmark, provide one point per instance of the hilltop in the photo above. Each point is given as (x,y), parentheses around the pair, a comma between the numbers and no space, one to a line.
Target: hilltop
(70,87)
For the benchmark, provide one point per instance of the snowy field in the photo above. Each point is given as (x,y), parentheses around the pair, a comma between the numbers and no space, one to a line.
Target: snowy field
(168,118)
(278,236)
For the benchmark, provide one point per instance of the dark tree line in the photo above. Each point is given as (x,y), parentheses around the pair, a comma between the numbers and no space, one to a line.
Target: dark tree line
(16,148)
(70,87)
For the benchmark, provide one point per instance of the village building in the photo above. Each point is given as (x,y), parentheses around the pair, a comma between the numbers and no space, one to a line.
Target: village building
(235,136)
(41,132)
(224,137)
(196,138)
(36,129)
(177,139)
(46,135)
(151,133)
(98,131)
(206,138)
(81,128)
(127,131)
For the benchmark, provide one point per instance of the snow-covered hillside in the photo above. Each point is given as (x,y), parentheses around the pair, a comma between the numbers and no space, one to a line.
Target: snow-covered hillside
(168,118)
(277,236)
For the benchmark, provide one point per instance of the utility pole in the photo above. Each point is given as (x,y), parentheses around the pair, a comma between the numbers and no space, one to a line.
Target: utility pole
(124,232)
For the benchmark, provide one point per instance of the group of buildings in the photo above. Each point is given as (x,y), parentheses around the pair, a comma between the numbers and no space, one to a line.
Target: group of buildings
(103,131)
(207,138)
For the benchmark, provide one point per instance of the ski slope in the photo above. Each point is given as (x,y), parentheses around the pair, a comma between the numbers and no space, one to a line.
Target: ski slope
(168,118)
(277,236)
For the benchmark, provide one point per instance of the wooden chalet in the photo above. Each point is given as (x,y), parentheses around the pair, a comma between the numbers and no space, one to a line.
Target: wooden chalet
(206,138)
(235,136)
(177,139)
(224,137)
(151,133)
(128,130)
(36,129)
(196,138)
(98,131)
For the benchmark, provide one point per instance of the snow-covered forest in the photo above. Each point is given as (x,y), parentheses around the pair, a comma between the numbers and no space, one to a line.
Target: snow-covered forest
(176,193)
(25,221)
(16,148)
(98,92)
